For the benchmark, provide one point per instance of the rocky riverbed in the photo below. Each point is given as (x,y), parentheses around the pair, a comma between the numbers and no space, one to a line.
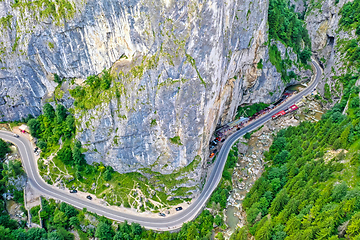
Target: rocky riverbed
(251,159)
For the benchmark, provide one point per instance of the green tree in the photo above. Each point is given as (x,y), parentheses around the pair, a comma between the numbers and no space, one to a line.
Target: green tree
(136,228)
(36,233)
(70,123)
(355,102)
(218,220)
(5,233)
(54,236)
(48,111)
(354,226)
(226,175)
(120,236)
(29,116)
(93,81)
(105,80)
(247,135)
(305,55)
(74,221)
(339,191)
(282,157)
(107,175)
(4,149)
(60,218)
(124,227)
(65,155)
(278,232)
(19,234)
(264,232)
(57,79)
(65,234)
(42,145)
(34,127)
(252,213)
(219,236)
(192,232)
(240,234)
(69,210)
(8,223)
(78,156)
(279,202)
(61,113)
(104,231)
(293,225)
(278,145)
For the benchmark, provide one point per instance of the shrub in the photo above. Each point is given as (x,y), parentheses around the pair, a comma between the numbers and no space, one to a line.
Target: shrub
(176,140)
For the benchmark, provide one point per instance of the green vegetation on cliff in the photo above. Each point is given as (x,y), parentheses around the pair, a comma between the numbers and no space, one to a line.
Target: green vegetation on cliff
(95,91)
(248,111)
(349,21)
(286,26)
(349,49)
(52,126)
(58,9)
(55,130)
(351,16)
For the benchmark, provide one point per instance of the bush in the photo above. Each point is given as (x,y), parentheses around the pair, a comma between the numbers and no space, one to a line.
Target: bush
(247,136)
(248,111)
(57,79)
(176,140)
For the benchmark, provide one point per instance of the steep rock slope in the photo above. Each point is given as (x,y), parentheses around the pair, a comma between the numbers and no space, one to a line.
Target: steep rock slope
(183,67)
(322,18)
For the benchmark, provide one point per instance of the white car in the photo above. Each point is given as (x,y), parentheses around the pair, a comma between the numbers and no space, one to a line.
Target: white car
(15,135)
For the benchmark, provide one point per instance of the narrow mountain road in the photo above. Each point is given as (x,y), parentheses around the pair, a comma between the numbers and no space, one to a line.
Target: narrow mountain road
(169,222)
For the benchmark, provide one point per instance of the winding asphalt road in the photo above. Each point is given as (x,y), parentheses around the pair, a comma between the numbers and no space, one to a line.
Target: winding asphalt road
(169,222)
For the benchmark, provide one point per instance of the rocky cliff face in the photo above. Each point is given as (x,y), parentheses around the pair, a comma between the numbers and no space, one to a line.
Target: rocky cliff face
(206,55)
(322,20)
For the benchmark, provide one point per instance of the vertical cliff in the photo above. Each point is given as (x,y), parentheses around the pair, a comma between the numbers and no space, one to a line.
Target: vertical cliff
(179,68)
(328,40)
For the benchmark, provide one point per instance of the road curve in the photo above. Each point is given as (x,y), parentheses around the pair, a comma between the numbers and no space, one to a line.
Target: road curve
(169,222)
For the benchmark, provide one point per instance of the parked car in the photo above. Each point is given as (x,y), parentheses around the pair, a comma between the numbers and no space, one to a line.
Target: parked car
(89,197)
(162,214)
(73,191)
(215,151)
(35,149)
(211,155)
(223,140)
(214,142)
(178,208)
(15,135)
(212,147)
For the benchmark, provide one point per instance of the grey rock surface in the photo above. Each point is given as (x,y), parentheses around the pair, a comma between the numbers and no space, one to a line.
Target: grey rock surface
(187,98)
(323,27)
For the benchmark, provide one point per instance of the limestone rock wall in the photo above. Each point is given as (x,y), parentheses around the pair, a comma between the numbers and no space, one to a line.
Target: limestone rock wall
(322,24)
(207,54)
